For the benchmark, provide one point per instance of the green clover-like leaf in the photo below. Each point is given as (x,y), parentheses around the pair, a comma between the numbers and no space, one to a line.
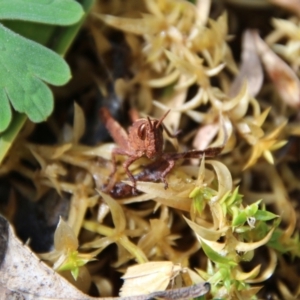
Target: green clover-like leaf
(24,65)
(5,110)
(58,12)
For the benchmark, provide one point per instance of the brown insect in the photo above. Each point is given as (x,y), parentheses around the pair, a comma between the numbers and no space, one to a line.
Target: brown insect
(145,138)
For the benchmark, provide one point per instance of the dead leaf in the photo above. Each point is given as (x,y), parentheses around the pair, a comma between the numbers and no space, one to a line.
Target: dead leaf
(204,136)
(283,76)
(24,276)
(250,69)
(189,292)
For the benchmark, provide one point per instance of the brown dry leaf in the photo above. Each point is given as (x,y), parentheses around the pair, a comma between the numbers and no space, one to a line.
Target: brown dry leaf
(250,69)
(205,135)
(284,78)
(189,292)
(24,276)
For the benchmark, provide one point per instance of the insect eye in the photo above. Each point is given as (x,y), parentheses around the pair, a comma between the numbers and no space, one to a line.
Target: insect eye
(142,132)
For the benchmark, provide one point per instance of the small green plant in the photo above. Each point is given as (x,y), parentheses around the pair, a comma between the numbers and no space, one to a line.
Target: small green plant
(26,65)
(244,230)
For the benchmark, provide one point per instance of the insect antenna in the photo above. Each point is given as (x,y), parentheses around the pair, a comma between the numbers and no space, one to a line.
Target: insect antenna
(150,124)
(161,119)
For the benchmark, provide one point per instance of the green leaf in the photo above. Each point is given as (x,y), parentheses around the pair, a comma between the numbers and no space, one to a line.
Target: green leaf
(75,273)
(239,217)
(215,256)
(234,198)
(275,241)
(61,45)
(263,215)
(291,245)
(40,34)
(57,12)
(23,66)
(5,110)
(198,206)
(252,209)
(200,196)
(70,32)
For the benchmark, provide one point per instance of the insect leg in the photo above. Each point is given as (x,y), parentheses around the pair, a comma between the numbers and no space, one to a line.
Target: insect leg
(116,131)
(126,165)
(114,161)
(115,152)
(171,164)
